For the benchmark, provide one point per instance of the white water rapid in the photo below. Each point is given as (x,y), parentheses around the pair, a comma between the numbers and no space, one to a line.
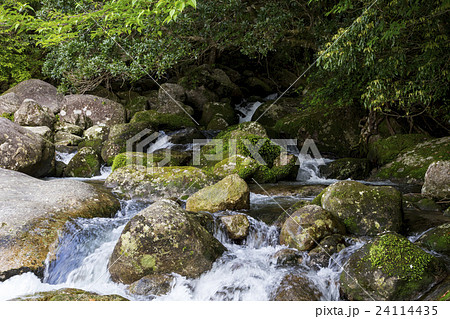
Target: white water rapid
(247,271)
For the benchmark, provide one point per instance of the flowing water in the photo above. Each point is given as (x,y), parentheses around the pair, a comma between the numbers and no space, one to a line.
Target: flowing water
(247,271)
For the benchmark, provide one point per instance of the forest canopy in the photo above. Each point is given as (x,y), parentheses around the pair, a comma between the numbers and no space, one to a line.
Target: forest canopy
(388,56)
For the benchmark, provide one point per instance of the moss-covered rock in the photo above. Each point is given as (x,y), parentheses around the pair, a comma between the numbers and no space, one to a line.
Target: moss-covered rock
(386,150)
(134,103)
(437,180)
(225,143)
(237,226)
(224,110)
(288,257)
(86,163)
(156,159)
(119,135)
(163,239)
(412,164)
(244,166)
(231,193)
(365,210)
(307,226)
(34,213)
(345,168)
(334,130)
(69,294)
(297,288)
(218,123)
(390,268)
(437,239)
(162,121)
(152,183)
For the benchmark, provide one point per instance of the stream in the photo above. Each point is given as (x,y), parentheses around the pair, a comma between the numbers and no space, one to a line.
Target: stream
(246,271)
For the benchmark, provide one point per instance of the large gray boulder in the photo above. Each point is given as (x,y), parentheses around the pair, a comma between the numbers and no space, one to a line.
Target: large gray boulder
(89,110)
(365,210)
(22,150)
(33,214)
(163,239)
(42,92)
(9,103)
(30,113)
(437,180)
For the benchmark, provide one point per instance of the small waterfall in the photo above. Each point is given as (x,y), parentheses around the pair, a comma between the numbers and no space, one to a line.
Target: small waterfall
(64,157)
(162,142)
(246,271)
(247,110)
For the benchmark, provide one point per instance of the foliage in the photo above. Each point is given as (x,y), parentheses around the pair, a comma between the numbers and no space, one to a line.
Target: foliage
(19,57)
(394,58)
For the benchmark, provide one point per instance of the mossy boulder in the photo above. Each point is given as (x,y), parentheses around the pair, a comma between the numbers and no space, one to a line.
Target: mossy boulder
(334,130)
(33,214)
(158,158)
(224,145)
(213,109)
(411,165)
(163,239)
(390,268)
(24,151)
(152,183)
(30,113)
(119,135)
(437,180)
(134,103)
(237,226)
(86,163)
(244,166)
(386,150)
(162,121)
(365,210)
(69,294)
(231,193)
(307,226)
(297,288)
(437,239)
(345,168)
(152,285)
